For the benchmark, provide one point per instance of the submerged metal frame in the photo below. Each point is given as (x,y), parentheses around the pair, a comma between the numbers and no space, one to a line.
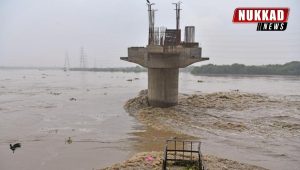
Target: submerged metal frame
(172,154)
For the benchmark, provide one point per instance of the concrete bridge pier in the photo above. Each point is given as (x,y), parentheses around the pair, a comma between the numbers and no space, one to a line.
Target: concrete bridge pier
(163,86)
(163,56)
(163,63)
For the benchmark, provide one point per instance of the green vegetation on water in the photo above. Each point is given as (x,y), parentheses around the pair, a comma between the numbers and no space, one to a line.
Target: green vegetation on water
(291,68)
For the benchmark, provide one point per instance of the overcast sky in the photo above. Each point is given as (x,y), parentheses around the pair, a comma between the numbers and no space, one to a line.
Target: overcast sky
(39,32)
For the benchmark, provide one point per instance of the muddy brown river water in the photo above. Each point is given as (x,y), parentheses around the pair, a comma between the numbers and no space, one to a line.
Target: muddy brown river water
(36,110)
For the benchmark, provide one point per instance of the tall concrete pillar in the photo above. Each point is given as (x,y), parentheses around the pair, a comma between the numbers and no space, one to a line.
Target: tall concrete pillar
(163,59)
(163,86)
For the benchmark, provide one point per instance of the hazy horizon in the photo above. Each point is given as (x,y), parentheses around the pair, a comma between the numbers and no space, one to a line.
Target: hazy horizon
(38,33)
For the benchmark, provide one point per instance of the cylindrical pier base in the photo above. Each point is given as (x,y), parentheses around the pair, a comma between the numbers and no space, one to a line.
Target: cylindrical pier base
(163,86)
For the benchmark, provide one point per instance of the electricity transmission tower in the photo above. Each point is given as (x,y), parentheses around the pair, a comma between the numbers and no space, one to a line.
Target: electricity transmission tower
(83,58)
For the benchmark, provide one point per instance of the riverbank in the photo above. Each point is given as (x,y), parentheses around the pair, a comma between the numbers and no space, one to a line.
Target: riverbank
(246,127)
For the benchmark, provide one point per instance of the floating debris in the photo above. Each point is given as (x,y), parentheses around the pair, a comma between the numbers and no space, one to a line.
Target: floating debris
(73,99)
(53,131)
(149,159)
(200,81)
(129,80)
(55,93)
(219,104)
(224,97)
(69,141)
(136,78)
(15,146)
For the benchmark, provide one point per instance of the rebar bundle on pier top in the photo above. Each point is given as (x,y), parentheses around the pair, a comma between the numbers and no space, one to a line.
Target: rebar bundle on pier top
(163,56)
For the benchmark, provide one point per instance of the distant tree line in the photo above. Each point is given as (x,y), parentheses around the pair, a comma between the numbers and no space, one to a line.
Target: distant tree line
(291,68)
(136,69)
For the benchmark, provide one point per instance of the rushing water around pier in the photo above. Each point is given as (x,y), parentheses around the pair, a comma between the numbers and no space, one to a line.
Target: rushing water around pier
(41,109)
